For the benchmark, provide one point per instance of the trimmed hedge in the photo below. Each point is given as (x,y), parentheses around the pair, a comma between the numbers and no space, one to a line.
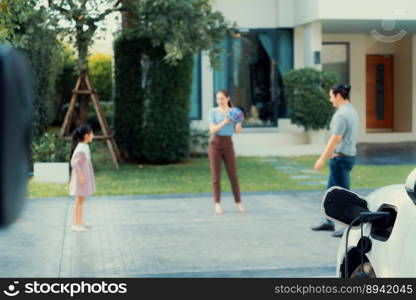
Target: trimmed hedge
(151,102)
(167,124)
(46,61)
(307,93)
(129,97)
(66,84)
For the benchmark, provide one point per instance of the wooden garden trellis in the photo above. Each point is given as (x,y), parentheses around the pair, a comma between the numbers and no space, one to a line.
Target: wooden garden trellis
(83,86)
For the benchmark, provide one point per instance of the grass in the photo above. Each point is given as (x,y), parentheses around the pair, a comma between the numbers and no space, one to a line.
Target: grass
(194,177)
(368,176)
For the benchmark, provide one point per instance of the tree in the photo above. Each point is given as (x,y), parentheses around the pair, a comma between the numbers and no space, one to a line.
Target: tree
(182,27)
(27,26)
(18,20)
(82,19)
(153,69)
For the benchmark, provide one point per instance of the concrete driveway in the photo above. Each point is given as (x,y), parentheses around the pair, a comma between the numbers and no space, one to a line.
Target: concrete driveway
(171,236)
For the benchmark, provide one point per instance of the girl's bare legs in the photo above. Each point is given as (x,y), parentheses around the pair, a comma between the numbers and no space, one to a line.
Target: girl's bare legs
(78,210)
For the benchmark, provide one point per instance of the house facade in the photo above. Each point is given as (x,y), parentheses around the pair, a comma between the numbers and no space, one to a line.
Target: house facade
(370,44)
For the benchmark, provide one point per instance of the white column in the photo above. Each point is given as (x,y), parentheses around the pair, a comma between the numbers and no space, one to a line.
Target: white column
(207,92)
(299,47)
(312,44)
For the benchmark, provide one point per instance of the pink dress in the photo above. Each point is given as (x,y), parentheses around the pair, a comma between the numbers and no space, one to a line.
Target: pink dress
(81,160)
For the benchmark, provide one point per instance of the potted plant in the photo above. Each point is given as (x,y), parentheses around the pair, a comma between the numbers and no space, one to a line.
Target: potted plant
(50,157)
(307,93)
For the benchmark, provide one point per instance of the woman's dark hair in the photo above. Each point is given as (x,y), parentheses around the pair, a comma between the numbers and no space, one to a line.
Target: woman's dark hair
(343,89)
(78,135)
(227,95)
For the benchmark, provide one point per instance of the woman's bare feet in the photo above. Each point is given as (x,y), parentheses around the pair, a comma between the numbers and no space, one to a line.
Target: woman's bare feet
(241,208)
(218,209)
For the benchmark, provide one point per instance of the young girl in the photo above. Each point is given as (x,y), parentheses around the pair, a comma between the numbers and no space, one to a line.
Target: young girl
(221,148)
(82,178)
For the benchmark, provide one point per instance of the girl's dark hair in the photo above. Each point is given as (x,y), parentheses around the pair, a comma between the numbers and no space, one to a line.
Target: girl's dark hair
(227,95)
(78,135)
(343,89)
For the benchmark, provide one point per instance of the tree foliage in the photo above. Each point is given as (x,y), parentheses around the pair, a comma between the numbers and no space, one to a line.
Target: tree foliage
(19,19)
(182,28)
(27,26)
(80,19)
(101,72)
(154,59)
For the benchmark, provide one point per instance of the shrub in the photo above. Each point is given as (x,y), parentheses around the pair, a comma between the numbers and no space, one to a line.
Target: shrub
(199,141)
(307,93)
(108,110)
(101,73)
(49,148)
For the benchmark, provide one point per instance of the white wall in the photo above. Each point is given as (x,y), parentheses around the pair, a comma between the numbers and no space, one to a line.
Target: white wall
(312,43)
(299,47)
(367,9)
(285,15)
(249,13)
(305,11)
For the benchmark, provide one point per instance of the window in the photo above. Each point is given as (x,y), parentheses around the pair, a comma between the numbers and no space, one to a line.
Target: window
(336,58)
(252,67)
(195,107)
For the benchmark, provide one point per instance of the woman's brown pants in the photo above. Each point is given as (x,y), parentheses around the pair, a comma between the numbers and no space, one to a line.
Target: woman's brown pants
(221,148)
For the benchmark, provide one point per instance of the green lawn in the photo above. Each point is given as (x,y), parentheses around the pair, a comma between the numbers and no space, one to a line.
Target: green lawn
(370,176)
(194,177)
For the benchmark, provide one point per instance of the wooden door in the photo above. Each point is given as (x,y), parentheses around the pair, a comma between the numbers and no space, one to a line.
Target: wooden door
(379,101)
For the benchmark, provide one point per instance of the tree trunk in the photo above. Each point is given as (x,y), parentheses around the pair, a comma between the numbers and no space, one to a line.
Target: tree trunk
(127,18)
(82,57)
(82,117)
(82,47)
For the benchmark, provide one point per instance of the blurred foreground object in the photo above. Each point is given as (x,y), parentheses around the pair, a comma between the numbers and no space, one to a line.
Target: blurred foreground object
(15,132)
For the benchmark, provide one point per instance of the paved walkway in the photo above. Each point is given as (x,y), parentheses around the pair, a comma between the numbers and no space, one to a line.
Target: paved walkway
(387,154)
(298,172)
(171,236)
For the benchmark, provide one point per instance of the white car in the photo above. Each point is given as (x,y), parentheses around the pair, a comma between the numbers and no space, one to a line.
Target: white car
(387,247)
